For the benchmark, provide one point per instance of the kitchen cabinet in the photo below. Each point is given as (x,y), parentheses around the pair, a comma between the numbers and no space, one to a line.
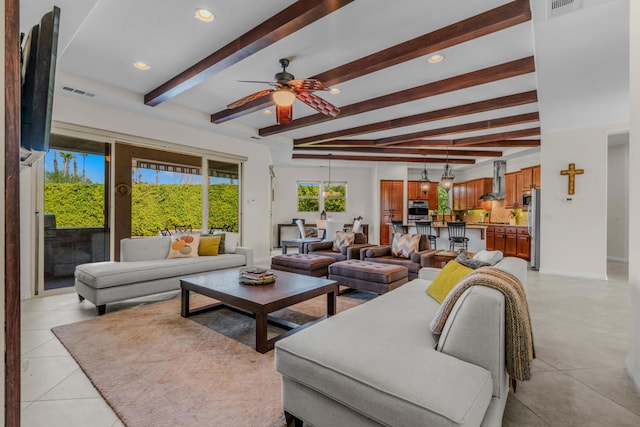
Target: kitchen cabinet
(510,241)
(470,194)
(513,189)
(391,206)
(483,186)
(456,197)
(527,179)
(523,249)
(466,195)
(414,192)
(536,176)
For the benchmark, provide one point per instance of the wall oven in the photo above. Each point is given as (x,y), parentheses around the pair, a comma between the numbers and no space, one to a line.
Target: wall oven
(418,210)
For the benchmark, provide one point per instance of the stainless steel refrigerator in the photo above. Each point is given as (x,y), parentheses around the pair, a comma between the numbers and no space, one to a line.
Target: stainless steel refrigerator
(533,224)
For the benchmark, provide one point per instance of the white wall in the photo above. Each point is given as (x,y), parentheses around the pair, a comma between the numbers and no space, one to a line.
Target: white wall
(255,197)
(573,233)
(285,207)
(618,201)
(633,358)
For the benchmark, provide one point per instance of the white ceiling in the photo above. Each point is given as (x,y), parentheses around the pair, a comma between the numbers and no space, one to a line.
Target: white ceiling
(100,39)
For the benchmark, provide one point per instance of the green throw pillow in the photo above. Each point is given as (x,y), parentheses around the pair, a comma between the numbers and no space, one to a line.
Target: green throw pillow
(450,275)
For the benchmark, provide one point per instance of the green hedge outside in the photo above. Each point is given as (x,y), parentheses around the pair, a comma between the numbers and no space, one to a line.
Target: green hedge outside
(154,207)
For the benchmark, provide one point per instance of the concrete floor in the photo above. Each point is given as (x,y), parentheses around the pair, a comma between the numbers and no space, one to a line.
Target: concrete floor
(580,333)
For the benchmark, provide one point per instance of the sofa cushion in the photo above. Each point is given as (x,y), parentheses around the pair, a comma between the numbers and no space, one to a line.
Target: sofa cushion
(492,257)
(450,275)
(404,245)
(209,245)
(393,375)
(184,246)
(342,239)
(107,274)
(144,249)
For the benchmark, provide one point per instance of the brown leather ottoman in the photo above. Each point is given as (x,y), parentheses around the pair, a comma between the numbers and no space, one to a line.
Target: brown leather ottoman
(368,276)
(309,265)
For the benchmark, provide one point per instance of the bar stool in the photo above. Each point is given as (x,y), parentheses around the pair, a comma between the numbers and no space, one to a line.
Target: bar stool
(397,226)
(424,227)
(457,231)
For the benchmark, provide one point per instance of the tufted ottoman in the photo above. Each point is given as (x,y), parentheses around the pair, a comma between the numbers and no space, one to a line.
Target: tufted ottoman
(368,276)
(309,265)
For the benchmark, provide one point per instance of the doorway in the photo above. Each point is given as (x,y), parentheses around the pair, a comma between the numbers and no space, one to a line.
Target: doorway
(618,198)
(75,201)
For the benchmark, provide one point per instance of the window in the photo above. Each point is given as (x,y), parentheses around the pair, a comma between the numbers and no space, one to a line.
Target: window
(223,195)
(164,195)
(335,196)
(308,197)
(443,199)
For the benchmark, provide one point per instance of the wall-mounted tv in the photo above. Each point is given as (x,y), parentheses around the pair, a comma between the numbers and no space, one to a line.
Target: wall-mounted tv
(38,80)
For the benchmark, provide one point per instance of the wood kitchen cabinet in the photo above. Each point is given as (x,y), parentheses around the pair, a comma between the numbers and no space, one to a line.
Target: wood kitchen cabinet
(391,206)
(459,196)
(523,249)
(510,241)
(499,239)
(491,238)
(513,189)
(536,176)
(470,194)
(414,192)
(530,178)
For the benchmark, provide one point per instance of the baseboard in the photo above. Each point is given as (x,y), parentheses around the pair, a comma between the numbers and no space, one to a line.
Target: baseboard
(615,258)
(633,374)
(593,276)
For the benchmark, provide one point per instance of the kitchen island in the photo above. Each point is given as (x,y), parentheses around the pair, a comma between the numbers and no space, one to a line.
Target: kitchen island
(475,232)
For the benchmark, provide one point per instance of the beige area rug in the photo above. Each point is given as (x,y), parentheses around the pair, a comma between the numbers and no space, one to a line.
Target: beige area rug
(156,368)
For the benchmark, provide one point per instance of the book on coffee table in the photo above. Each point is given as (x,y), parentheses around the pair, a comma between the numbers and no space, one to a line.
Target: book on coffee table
(257,276)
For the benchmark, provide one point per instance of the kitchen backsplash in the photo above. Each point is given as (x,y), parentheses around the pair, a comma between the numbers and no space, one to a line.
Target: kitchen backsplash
(498,213)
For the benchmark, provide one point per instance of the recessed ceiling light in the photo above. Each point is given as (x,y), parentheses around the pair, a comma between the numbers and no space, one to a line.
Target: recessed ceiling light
(267,111)
(434,59)
(334,91)
(204,15)
(141,66)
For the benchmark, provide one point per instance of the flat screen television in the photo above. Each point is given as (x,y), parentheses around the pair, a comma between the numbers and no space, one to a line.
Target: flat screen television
(38,80)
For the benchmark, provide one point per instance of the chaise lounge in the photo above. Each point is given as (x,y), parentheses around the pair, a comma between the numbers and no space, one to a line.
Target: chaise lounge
(379,363)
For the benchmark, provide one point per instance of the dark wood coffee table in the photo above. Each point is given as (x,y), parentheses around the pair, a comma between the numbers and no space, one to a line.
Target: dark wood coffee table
(258,301)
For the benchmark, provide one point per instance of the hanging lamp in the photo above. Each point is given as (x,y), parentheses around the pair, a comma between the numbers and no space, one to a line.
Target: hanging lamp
(424,179)
(447,177)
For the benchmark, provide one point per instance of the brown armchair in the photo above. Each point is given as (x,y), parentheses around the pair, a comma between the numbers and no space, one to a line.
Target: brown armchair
(347,252)
(414,263)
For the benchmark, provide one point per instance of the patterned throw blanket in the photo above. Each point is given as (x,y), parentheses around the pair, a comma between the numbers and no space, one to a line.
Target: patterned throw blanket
(518,336)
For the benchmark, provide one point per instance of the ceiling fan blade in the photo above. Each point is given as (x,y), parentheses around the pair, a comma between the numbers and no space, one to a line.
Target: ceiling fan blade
(240,102)
(284,115)
(319,104)
(258,81)
(307,85)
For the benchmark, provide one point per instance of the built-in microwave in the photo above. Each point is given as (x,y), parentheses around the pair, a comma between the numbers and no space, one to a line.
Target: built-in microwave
(526,199)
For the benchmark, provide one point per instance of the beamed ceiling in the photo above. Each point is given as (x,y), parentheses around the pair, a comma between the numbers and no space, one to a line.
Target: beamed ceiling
(479,103)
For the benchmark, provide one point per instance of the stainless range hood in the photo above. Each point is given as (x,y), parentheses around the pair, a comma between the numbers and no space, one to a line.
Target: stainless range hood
(499,169)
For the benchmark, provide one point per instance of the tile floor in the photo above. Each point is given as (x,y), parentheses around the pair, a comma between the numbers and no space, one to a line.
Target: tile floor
(580,332)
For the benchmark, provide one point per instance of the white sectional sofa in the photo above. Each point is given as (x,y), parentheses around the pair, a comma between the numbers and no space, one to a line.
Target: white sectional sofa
(145,270)
(378,364)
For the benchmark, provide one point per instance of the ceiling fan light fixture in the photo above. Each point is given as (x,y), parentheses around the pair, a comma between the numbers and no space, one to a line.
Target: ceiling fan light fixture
(283,97)
(204,15)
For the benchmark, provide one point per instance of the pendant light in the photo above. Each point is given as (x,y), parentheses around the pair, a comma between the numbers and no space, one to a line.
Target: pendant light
(447,177)
(424,179)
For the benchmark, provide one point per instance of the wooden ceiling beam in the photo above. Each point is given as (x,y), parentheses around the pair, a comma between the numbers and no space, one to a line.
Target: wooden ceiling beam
(510,143)
(505,16)
(394,150)
(445,113)
(381,158)
(475,140)
(286,22)
(486,75)
(465,127)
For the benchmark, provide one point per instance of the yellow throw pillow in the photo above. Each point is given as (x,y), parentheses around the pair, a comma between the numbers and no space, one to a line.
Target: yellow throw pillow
(450,275)
(184,246)
(209,245)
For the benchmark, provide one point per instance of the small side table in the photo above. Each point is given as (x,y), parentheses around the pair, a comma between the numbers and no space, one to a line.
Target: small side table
(298,243)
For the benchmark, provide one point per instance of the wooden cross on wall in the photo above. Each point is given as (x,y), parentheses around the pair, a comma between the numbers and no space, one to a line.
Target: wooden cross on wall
(571,173)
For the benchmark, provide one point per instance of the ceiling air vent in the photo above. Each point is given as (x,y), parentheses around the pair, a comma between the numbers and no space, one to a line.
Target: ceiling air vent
(561,7)
(78,91)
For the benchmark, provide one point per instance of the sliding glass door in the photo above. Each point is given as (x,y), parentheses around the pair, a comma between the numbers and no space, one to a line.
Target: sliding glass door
(75,206)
